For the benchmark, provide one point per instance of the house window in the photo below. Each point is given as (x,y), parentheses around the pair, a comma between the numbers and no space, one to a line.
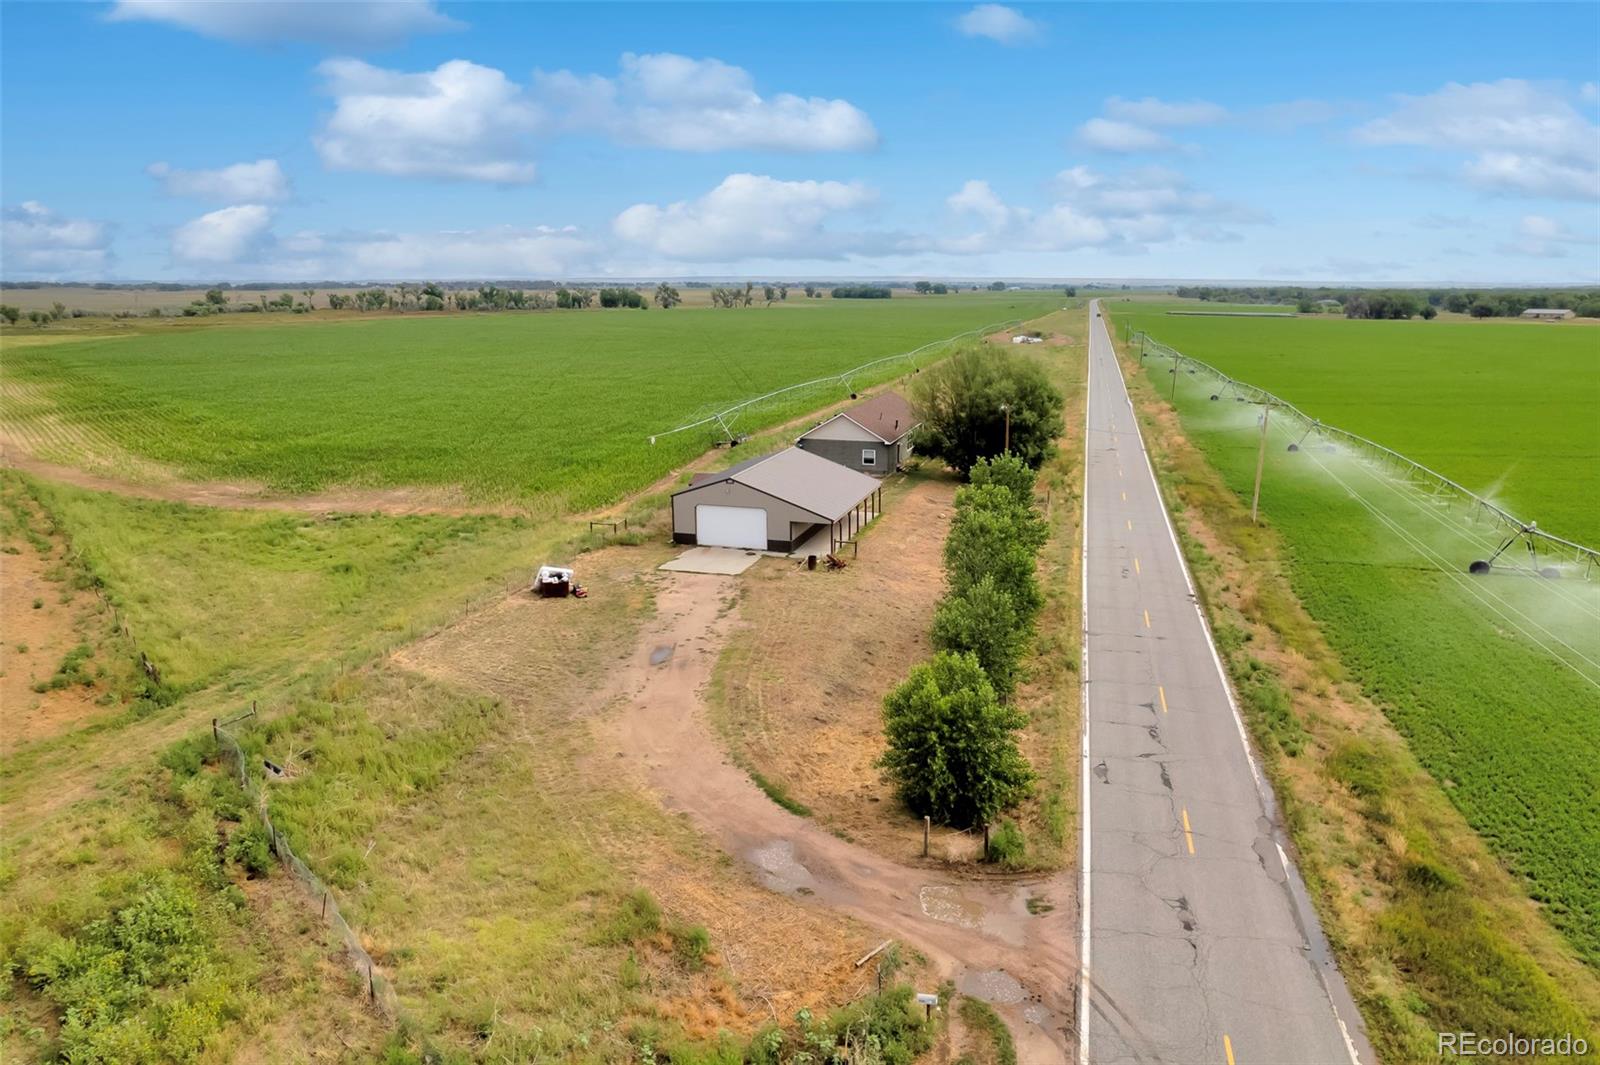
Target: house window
(869,456)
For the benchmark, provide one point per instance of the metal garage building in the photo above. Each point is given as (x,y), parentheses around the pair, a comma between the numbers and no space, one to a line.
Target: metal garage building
(774,503)
(872,437)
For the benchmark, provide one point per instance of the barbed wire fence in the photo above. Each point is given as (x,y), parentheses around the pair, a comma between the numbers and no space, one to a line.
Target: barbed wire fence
(1582,560)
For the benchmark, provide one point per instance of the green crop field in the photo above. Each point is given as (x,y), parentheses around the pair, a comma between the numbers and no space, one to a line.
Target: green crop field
(557,406)
(1494,681)
(1505,408)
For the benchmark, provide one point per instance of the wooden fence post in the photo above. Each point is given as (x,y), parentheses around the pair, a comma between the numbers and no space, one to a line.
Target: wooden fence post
(927,827)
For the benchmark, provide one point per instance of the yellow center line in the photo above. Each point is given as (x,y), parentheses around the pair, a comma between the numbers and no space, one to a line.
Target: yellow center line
(1188,837)
(1147,619)
(1124,497)
(1130,524)
(1136,568)
(1163,693)
(1227,1047)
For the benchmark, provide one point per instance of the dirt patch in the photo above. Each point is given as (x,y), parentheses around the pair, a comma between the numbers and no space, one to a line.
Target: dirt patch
(799,694)
(964,926)
(43,620)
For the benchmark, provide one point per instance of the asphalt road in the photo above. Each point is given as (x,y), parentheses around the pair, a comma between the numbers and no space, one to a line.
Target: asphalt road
(1198,941)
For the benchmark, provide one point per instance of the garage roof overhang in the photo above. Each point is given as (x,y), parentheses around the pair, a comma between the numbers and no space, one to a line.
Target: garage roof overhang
(818,486)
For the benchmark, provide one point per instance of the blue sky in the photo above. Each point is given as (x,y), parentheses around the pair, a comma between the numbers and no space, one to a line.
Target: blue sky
(271,139)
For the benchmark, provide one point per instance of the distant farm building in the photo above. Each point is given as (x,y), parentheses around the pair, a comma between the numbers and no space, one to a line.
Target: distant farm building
(872,437)
(775,503)
(1025,338)
(1548,314)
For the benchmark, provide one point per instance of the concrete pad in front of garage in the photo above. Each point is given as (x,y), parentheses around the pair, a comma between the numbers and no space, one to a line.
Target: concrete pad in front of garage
(729,561)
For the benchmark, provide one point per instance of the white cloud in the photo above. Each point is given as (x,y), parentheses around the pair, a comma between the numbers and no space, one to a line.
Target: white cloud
(349,24)
(468,254)
(1153,112)
(1589,92)
(673,101)
(460,120)
(1543,237)
(1522,137)
(228,235)
(977,198)
(1108,135)
(36,241)
(999,23)
(262,181)
(751,216)
(1122,212)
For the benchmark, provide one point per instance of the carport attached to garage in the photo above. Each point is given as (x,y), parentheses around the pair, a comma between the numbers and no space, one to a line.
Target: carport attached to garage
(774,502)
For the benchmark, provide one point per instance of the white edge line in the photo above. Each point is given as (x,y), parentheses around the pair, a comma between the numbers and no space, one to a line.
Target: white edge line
(1083,711)
(1263,792)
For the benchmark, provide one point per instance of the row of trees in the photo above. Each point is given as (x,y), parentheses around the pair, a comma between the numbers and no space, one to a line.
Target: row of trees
(1371,303)
(932,288)
(862,292)
(951,725)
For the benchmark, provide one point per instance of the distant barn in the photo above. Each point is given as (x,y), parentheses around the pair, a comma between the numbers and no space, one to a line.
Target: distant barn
(1548,314)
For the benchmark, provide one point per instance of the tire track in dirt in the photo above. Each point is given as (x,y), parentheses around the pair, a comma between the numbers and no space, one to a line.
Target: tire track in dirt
(978,932)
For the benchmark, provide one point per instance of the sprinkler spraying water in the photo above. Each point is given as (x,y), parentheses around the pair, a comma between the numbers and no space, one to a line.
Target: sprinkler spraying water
(1294,445)
(1525,534)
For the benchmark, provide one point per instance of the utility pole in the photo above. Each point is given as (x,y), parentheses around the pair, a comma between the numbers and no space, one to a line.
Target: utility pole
(1007,408)
(1261,462)
(1173,399)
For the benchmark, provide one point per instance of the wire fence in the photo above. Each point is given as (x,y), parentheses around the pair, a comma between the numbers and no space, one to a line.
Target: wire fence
(378,988)
(725,418)
(1582,560)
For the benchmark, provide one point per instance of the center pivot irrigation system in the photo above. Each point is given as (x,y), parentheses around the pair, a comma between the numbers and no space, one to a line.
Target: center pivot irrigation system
(1585,560)
(726,418)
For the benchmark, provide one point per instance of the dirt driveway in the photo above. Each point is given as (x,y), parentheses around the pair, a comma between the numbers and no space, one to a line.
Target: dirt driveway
(1010,942)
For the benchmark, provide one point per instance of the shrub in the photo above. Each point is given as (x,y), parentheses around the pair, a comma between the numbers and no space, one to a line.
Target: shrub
(987,543)
(1007,845)
(951,751)
(251,849)
(983,620)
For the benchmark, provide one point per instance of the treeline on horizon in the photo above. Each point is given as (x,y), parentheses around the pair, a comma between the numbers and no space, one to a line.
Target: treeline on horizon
(1404,303)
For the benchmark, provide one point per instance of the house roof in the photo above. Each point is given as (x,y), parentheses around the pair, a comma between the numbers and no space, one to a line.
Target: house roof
(887,416)
(808,481)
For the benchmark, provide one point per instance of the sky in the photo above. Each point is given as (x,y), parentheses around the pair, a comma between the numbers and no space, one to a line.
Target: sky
(411,139)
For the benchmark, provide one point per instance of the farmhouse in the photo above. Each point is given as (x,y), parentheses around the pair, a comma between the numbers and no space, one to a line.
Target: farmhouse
(774,503)
(872,437)
(1548,314)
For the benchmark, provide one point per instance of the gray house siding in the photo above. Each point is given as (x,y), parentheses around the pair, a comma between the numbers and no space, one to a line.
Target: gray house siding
(782,518)
(848,453)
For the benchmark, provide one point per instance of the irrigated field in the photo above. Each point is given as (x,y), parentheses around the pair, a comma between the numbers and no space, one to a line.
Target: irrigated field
(1493,681)
(556,406)
(1506,408)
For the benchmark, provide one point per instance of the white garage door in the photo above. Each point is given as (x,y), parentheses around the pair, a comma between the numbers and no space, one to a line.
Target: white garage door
(731,527)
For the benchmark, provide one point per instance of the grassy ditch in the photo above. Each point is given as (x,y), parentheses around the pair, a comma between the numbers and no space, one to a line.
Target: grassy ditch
(1431,932)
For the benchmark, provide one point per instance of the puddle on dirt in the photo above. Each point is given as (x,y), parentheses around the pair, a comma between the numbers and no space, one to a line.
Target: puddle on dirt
(780,869)
(661,654)
(944,903)
(992,985)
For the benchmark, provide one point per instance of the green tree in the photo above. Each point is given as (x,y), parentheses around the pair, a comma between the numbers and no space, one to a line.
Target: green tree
(1429,313)
(667,296)
(1009,472)
(983,621)
(10,313)
(963,405)
(991,541)
(216,297)
(952,750)
(770,292)
(997,286)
